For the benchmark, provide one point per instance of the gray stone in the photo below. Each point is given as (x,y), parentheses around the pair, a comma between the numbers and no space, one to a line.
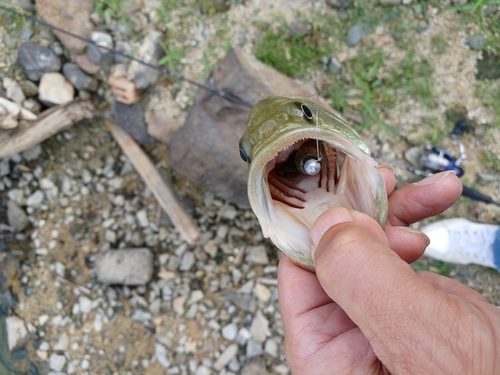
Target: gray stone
(54,89)
(13,90)
(85,64)
(257,254)
(131,120)
(187,261)
(356,33)
(230,331)
(334,65)
(96,54)
(299,27)
(150,51)
(18,219)
(79,79)
(487,178)
(475,42)
(33,153)
(389,2)
(161,354)
(271,347)
(17,334)
(225,357)
(4,167)
(124,266)
(17,195)
(254,349)
(260,327)
(336,4)
(57,362)
(36,60)
(71,15)
(35,199)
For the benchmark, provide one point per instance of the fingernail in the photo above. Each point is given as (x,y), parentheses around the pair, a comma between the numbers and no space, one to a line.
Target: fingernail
(327,220)
(416,232)
(434,179)
(386,166)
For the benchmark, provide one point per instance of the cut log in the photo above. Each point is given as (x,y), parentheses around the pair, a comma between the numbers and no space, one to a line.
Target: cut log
(182,222)
(49,123)
(205,148)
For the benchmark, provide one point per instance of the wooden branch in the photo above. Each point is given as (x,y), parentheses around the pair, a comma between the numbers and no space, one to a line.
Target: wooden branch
(50,122)
(182,222)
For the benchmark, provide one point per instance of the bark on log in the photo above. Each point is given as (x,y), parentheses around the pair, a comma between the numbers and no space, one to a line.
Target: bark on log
(50,122)
(182,222)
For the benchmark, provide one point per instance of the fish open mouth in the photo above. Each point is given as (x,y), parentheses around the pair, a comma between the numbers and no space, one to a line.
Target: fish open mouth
(293,196)
(290,180)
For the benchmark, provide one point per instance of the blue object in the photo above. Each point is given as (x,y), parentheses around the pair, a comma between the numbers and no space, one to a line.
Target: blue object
(496,250)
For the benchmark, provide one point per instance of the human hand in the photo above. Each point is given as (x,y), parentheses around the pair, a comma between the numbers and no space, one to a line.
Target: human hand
(365,311)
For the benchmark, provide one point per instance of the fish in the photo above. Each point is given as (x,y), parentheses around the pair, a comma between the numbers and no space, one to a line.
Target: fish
(304,160)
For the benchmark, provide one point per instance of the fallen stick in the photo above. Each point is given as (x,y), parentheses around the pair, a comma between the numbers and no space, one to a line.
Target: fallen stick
(182,222)
(50,122)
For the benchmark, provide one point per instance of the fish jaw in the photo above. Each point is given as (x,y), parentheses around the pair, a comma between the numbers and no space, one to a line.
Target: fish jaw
(360,187)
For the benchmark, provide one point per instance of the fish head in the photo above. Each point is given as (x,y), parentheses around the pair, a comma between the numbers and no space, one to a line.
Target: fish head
(304,160)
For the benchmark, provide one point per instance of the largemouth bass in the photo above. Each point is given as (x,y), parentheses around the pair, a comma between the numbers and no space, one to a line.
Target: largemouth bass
(302,161)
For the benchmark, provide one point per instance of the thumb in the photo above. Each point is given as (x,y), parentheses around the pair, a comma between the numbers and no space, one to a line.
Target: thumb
(377,289)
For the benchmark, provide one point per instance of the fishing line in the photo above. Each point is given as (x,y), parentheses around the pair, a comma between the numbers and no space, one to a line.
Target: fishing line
(124,55)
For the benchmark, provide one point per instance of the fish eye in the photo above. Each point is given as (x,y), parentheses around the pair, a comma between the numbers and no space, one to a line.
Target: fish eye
(244,156)
(306,111)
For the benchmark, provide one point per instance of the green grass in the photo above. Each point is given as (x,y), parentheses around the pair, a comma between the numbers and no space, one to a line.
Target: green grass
(107,9)
(491,160)
(290,56)
(164,12)
(173,56)
(438,44)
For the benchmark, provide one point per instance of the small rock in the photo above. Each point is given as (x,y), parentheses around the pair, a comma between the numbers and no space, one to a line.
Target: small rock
(85,304)
(225,357)
(336,4)
(98,55)
(62,343)
(17,334)
(487,178)
(260,327)
(187,261)
(33,153)
(17,195)
(254,348)
(79,79)
(334,65)
(161,354)
(150,51)
(18,219)
(35,199)
(230,331)
(178,304)
(13,90)
(54,89)
(29,88)
(37,60)
(85,64)
(262,293)
(390,2)
(298,28)
(355,34)
(124,266)
(271,347)
(4,167)
(142,218)
(131,120)
(475,42)
(57,362)
(257,254)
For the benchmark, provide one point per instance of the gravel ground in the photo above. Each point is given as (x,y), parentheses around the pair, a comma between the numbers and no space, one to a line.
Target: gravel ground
(211,308)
